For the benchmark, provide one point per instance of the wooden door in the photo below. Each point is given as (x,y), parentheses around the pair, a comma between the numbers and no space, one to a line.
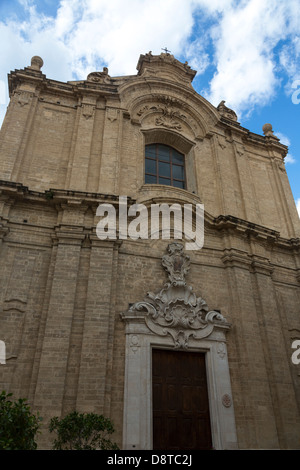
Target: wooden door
(181,418)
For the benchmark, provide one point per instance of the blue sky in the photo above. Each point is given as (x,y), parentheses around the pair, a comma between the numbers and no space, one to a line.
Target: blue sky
(246,52)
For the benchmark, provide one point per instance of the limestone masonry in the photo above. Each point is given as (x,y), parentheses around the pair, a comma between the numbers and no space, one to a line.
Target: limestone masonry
(82,317)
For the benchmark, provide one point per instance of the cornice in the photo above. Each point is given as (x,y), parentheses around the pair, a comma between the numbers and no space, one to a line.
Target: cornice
(248,137)
(44,84)
(226,223)
(56,196)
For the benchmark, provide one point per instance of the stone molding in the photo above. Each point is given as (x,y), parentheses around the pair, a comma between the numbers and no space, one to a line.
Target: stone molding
(17,192)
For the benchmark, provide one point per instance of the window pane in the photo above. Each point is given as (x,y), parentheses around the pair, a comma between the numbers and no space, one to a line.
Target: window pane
(150,151)
(150,166)
(178,184)
(164,165)
(164,169)
(164,181)
(177,157)
(164,153)
(150,179)
(178,172)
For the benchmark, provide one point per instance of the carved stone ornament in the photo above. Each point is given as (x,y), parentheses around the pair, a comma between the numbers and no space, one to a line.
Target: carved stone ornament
(226,400)
(88,110)
(226,112)
(36,63)
(99,77)
(24,98)
(169,117)
(176,310)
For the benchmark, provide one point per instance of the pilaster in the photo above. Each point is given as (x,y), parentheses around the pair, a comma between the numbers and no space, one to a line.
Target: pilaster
(50,385)
(96,341)
(83,143)
(111,155)
(22,109)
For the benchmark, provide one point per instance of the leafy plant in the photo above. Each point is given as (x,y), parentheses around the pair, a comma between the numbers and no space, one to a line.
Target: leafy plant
(18,425)
(82,431)
(49,194)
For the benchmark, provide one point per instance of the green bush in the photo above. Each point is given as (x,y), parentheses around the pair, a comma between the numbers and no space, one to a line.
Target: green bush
(18,426)
(82,431)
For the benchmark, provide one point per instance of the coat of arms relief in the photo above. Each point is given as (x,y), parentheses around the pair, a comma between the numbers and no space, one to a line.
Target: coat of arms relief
(176,310)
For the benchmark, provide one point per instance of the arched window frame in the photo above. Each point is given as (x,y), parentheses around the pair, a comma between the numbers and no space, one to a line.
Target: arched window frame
(179,143)
(164,165)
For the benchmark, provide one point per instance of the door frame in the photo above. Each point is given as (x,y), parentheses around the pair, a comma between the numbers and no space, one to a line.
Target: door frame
(137,416)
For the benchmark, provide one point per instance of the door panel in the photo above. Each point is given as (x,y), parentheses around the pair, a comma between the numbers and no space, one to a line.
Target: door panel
(180,401)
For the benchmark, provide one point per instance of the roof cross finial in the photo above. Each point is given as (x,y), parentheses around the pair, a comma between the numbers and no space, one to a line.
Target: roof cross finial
(165,49)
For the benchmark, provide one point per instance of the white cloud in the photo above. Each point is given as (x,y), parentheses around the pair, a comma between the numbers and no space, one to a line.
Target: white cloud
(118,32)
(237,37)
(89,33)
(286,141)
(290,61)
(245,40)
(283,138)
(290,158)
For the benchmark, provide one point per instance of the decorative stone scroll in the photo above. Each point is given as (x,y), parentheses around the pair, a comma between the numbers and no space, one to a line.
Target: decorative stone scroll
(176,310)
(168,119)
(226,112)
(169,116)
(99,77)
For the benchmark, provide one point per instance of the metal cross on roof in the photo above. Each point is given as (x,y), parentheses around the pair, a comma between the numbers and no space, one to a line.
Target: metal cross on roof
(165,49)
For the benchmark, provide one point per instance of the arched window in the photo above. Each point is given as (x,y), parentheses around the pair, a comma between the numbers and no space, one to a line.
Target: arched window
(164,165)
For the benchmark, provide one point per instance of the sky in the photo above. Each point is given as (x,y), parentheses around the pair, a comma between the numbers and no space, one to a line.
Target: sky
(246,52)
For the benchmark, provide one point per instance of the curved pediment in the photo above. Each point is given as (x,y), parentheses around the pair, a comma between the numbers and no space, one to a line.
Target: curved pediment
(167,108)
(162,96)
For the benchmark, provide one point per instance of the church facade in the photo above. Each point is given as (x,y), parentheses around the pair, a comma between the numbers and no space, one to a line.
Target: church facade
(181,348)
